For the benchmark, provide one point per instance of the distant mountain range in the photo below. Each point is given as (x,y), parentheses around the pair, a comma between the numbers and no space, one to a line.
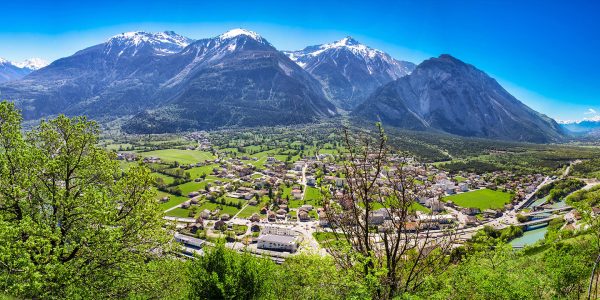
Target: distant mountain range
(164,82)
(14,71)
(590,126)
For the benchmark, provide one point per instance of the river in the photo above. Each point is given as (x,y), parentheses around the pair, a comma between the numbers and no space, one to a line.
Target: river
(530,237)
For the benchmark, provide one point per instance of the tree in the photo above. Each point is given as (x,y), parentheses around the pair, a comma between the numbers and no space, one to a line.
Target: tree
(72,224)
(222,273)
(396,258)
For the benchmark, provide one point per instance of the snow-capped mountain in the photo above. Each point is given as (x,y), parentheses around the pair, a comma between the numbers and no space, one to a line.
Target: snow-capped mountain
(582,127)
(169,83)
(32,64)
(348,70)
(235,79)
(132,43)
(114,78)
(17,70)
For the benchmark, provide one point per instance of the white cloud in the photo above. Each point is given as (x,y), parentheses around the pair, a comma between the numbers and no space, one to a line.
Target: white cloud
(590,111)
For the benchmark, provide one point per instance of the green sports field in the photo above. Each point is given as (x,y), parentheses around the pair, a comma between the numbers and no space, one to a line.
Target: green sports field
(181,156)
(482,199)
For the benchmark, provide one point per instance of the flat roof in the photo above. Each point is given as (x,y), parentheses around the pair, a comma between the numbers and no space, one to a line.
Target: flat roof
(273,238)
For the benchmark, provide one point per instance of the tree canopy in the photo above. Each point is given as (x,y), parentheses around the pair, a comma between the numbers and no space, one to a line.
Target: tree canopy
(72,224)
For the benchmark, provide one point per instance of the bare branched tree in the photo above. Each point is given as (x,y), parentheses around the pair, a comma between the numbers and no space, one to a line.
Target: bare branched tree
(375,225)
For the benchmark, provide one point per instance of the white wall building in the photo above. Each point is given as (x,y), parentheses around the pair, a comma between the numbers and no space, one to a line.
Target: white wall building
(278,242)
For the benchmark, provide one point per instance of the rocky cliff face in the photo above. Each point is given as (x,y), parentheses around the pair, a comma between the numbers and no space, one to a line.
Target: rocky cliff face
(448,95)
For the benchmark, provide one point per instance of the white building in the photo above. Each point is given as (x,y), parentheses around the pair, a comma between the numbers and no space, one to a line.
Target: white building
(276,230)
(278,242)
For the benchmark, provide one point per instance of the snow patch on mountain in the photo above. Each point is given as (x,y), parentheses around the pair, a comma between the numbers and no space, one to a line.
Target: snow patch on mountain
(239,31)
(591,119)
(32,64)
(163,43)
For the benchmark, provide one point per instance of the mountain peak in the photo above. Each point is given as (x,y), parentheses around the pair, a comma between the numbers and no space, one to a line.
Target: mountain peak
(348,41)
(348,70)
(166,42)
(240,32)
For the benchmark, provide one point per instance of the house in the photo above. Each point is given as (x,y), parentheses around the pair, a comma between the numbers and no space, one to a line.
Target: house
(255,217)
(470,211)
(271,217)
(378,216)
(435,204)
(310,180)
(299,165)
(471,221)
(278,242)
(297,194)
(307,207)
(194,227)
(323,221)
(220,225)
(303,215)
(411,226)
(490,213)
(205,214)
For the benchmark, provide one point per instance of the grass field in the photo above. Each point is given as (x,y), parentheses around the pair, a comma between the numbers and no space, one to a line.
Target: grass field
(482,199)
(181,156)
(249,210)
(179,212)
(166,179)
(198,171)
(173,200)
(225,209)
(191,186)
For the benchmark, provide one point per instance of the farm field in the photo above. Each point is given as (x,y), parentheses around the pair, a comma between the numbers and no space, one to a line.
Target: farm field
(173,200)
(166,178)
(198,171)
(482,199)
(181,156)
(249,210)
(191,186)
(224,209)
(179,213)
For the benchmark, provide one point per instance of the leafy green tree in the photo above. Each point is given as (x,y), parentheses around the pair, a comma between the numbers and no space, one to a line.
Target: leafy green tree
(225,274)
(72,224)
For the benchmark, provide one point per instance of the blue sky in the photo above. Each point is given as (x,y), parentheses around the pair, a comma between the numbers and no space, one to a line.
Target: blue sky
(547,53)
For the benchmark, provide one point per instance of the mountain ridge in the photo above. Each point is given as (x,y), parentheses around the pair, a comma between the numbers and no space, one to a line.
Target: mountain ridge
(451,96)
